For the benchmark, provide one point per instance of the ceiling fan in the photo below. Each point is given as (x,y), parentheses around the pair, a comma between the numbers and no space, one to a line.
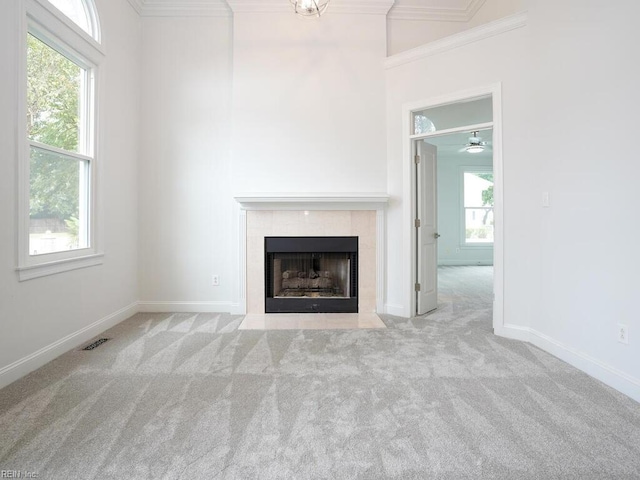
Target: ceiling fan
(475,144)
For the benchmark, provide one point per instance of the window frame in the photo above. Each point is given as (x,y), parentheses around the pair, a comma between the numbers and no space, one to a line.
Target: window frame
(464,244)
(45,22)
(92,17)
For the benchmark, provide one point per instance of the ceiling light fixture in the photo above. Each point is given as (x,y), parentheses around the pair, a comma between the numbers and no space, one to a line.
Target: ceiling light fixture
(310,8)
(475,145)
(474,149)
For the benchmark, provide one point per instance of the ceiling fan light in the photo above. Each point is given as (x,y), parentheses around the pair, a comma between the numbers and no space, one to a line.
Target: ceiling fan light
(474,148)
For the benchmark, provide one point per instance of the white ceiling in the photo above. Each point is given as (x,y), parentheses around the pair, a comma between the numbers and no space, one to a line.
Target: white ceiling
(436,10)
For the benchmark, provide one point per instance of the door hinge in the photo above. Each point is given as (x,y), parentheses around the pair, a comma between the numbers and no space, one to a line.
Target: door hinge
(417,287)
(417,223)
(416,159)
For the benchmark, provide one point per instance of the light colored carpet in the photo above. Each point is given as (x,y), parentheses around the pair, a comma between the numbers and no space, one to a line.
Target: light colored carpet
(188,396)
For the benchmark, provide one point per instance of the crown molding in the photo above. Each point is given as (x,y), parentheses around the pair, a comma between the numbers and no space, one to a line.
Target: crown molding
(362,7)
(222,8)
(137,6)
(259,6)
(437,14)
(473,35)
(180,8)
(367,7)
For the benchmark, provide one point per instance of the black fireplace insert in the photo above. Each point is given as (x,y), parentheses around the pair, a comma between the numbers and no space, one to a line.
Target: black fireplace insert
(311,274)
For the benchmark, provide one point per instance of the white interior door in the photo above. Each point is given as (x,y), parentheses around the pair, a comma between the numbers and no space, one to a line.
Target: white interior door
(426,228)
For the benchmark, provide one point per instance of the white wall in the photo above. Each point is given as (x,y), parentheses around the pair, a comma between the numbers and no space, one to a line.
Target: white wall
(451,248)
(404,35)
(494,9)
(308,105)
(587,88)
(36,314)
(309,109)
(307,116)
(567,84)
(184,189)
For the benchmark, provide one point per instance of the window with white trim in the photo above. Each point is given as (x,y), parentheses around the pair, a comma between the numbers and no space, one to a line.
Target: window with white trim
(477,206)
(58,215)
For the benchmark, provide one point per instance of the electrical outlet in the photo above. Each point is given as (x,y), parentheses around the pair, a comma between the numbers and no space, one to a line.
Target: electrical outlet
(546,201)
(215,280)
(623,333)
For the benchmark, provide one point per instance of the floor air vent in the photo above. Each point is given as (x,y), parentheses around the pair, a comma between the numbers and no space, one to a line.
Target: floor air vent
(95,344)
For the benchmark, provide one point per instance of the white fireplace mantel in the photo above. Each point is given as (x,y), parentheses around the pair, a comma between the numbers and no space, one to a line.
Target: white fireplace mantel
(312,201)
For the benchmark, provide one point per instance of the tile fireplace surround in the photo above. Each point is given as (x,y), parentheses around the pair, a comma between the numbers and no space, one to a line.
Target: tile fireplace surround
(321,215)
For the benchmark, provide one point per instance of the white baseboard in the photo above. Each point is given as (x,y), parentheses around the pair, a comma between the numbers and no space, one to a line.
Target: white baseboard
(463,263)
(28,364)
(607,374)
(396,310)
(514,332)
(187,307)
(237,309)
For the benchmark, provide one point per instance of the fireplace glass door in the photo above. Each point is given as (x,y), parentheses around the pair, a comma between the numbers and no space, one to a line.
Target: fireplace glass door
(313,277)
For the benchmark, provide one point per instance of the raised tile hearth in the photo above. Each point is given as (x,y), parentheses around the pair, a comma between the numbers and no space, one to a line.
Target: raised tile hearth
(310,321)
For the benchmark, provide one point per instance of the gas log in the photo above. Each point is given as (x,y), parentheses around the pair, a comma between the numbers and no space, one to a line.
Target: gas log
(307,280)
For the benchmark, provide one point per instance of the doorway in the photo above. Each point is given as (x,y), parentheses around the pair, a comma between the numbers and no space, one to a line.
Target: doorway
(466,226)
(443,121)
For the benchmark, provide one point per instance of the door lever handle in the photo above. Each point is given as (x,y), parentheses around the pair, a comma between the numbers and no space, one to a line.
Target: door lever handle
(436,235)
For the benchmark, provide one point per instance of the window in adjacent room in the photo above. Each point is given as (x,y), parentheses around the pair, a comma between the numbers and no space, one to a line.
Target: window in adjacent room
(478,207)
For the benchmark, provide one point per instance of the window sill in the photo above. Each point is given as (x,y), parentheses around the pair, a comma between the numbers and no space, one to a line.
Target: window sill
(59,266)
(475,246)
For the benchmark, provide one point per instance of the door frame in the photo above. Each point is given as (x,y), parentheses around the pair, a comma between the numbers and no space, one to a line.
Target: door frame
(409,195)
